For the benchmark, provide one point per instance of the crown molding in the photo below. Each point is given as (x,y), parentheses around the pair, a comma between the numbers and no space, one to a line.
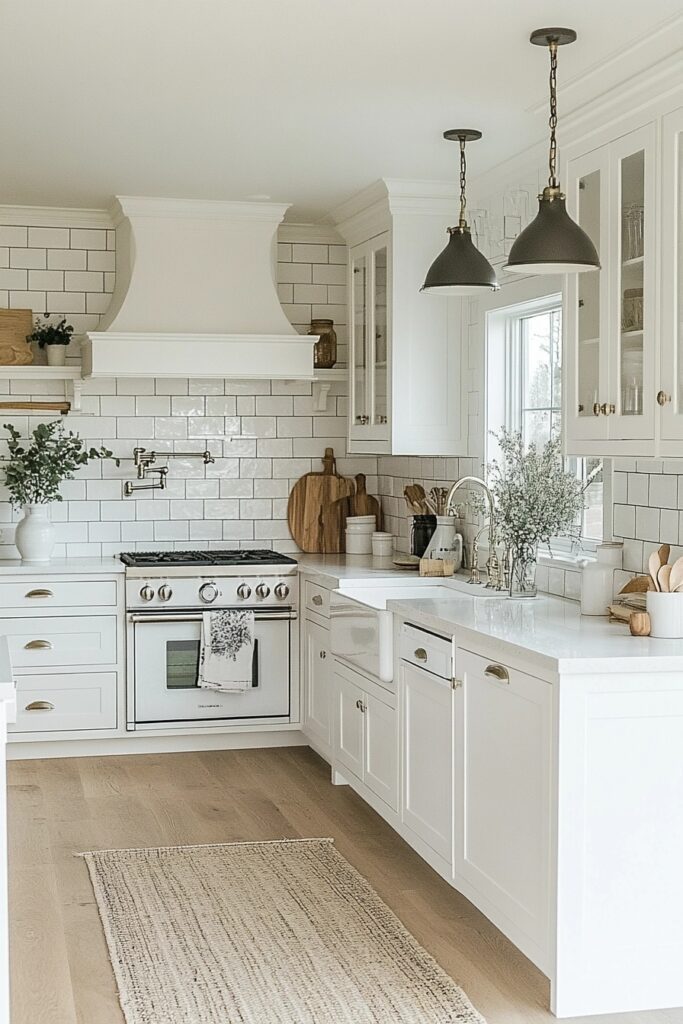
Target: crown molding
(324,234)
(196,209)
(54,217)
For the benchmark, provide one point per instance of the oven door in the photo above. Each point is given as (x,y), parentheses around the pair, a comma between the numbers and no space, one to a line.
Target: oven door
(165,662)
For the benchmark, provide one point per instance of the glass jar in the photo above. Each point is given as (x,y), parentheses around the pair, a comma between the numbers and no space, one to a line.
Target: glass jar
(421,531)
(325,350)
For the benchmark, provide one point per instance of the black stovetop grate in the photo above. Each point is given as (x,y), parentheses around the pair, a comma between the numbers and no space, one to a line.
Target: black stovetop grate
(247,556)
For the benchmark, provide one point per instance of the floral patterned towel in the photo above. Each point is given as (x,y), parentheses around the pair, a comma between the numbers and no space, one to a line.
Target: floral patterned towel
(227,650)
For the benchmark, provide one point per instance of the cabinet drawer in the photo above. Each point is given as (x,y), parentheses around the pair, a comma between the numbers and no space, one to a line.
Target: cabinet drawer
(37,592)
(78,700)
(65,640)
(317,599)
(433,653)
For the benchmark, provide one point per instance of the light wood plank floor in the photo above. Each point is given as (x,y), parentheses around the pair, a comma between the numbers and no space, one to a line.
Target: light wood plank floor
(61,972)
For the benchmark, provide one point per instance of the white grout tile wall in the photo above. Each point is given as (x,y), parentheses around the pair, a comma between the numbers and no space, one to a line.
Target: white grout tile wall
(263,434)
(647,494)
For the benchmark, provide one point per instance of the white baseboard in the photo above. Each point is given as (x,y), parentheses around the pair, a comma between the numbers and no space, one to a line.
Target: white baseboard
(141,743)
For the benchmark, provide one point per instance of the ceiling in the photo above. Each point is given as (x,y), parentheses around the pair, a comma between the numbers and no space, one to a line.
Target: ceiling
(304,101)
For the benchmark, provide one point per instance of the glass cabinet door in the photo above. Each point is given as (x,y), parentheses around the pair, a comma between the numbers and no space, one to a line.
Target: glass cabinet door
(586,314)
(380,412)
(669,386)
(359,339)
(632,400)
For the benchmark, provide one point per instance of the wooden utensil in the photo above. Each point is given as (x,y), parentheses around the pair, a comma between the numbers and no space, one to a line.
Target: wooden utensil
(654,565)
(676,578)
(664,553)
(663,578)
(364,504)
(638,585)
(315,512)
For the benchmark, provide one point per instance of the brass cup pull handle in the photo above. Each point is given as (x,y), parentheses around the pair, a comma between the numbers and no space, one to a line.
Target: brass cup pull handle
(663,398)
(497,672)
(420,654)
(317,599)
(39,705)
(608,408)
(39,593)
(38,645)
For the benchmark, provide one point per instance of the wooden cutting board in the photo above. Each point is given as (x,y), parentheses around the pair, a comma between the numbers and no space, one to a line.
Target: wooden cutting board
(315,508)
(363,504)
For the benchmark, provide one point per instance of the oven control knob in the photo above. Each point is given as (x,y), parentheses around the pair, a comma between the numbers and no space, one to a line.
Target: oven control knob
(146,593)
(244,592)
(165,592)
(208,592)
(281,591)
(262,591)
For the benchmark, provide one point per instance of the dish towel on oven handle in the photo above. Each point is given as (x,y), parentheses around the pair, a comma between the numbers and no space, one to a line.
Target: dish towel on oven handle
(226,650)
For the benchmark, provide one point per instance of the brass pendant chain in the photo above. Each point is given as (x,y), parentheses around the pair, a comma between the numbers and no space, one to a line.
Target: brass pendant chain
(463,177)
(552,121)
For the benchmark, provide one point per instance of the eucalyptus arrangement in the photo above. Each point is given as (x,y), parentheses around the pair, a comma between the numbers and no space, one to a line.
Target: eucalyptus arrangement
(54,337)
(33,472)
(535,499)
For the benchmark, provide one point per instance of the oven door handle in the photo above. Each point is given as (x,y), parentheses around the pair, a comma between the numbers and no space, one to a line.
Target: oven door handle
(197,617)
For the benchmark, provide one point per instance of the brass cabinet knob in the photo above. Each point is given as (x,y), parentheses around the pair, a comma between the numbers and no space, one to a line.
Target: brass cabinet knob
(39,705)
(663,398)
(596,409)
(608,408)
(38,645)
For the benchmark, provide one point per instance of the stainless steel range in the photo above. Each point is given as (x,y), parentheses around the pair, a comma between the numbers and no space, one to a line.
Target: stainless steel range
(167,593)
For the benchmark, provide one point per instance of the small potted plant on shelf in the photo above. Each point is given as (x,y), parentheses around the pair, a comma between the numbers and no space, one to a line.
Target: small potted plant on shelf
(53,337)
(535,499)
(33,472)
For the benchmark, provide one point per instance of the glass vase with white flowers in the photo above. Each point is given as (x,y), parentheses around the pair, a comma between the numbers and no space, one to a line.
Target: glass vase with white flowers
(535,499)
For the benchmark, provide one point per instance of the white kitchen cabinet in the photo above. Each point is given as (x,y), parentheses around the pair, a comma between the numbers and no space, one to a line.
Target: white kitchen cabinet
(407,349)
(426,703)
(366,736)
(610,314)
(317,678)
(670,385)
(503,807)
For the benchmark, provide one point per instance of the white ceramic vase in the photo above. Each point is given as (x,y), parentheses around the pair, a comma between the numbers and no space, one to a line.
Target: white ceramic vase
(35,534)
(56,355)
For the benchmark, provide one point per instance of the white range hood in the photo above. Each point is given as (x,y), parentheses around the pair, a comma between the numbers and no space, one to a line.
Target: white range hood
(195,295)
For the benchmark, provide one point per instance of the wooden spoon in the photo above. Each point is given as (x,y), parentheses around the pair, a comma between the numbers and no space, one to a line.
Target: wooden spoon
(663,578)
(654,565)
(676,578)
(664,553)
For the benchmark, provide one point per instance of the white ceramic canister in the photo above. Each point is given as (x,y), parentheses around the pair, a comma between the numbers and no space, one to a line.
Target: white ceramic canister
(597,578)
(358,543)
(382,545)
(361,524)
(666,615)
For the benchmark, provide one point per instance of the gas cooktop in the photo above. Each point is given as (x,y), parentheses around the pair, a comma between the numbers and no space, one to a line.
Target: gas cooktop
(248,556)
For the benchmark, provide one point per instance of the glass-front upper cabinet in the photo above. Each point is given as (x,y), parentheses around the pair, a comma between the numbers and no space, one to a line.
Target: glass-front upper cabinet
(610,342)
(670,384)
(369,343)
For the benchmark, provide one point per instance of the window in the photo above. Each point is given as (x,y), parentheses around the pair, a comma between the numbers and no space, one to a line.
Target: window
(525,341)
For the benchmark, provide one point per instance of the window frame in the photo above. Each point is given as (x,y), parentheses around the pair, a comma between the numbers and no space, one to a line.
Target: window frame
(502,331)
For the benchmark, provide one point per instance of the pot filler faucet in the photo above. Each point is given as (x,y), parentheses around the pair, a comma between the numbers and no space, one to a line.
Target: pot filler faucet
(493,568)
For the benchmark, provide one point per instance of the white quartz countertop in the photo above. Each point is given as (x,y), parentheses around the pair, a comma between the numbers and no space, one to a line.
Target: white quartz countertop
(359,570)
(549,630)
(62,567)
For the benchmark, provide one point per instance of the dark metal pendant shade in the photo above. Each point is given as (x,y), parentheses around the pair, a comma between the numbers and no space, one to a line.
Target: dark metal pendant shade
(460,269)
(553,243)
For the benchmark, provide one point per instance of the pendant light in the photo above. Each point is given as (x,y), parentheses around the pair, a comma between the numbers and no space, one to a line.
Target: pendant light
(460,269)
(553,243)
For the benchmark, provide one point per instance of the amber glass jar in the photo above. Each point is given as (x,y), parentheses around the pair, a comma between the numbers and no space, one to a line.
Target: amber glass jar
(325,351)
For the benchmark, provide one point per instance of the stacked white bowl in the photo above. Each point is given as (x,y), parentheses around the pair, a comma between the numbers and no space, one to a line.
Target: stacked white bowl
(359,531)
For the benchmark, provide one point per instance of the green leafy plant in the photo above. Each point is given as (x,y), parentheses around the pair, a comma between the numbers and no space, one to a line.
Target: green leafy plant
(51,334)
(535,497)
(34,470)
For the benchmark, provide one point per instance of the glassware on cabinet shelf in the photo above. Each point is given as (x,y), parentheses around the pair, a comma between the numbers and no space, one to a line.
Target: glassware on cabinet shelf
(634,220)
(360,340)
(380,412)
(632,311)
(631,280)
